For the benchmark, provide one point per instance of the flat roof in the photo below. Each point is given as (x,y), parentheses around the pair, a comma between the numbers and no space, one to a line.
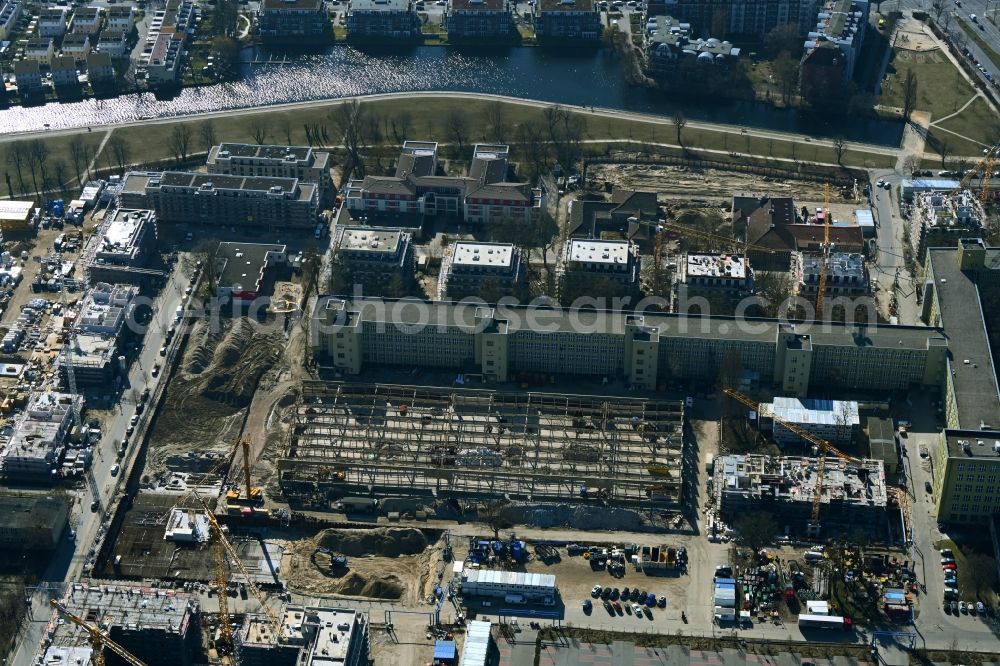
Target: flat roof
(15,211)
(972,372)
(270,152)
(599,251)
(482,254)
(522,578)
(370,239)
(219,181)
(244,262)
(26,511)
(481,5)
(381,5)
(717,265)
(840,264)
(557,319)
(477,643)
(566,5)
(813,411)
(972,443)
(292,5)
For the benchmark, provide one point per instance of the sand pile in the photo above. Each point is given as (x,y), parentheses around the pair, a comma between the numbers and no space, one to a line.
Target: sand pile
(387,542)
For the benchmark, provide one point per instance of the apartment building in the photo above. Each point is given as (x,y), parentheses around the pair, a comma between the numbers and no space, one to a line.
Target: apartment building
(382,19)
(121,246)
(10,14)
(38,440)
(616,262)
(309,636)
(473,19)
(668,42)
(32,522)
(100,69)
(646,348)
(86,21)
(482,197)
(846,274)
(834,44)
(301,162)
(120,17)
(28,76)
(374,256)
(745,17)
(574,20)
(113,42)
(282,20)
(76,45)
(63,71)
(52,22)
(216,199)
(164,65)
(715,273)
(470,269)
(630,214)
(178,19)
(40,50)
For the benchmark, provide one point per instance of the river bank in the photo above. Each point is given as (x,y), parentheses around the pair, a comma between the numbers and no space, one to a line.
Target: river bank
(572,78)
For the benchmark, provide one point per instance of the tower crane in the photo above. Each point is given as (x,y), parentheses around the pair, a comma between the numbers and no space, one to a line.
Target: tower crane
(222,578)
(824,447)
(984,169)
(824,259)
(254,494)
(98,639)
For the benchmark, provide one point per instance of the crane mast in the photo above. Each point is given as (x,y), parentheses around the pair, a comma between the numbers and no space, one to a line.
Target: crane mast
(824,259)
(98,639)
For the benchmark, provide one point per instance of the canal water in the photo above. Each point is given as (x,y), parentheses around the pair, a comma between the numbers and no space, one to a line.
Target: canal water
(587,79)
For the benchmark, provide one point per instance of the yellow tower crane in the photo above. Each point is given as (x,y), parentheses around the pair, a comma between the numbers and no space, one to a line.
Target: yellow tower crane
(824,447)
(222,577)
(98,639)
(983,169)
(824,258)
(254,494)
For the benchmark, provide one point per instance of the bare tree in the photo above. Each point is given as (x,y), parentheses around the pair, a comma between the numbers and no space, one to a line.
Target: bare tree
(17,157)
(910,90)
(496,122)
(180,142)
(120,149)
(400,125)
(206,132)
(938,7)
(839,148)
(286,128)
(59,169)
(40,151)
(258,129)
(76,156)
(944,149)
(982,572)
(348,117)
(679,123)
(457,125)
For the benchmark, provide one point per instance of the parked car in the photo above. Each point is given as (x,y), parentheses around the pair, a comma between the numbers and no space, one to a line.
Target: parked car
(115,469)
(946,552)
(596,591)
(947,560)
(980,608)
(588,605)
(928,487)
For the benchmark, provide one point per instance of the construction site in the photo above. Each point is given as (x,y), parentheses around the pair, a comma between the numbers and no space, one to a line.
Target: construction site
(385,440)
(849,492)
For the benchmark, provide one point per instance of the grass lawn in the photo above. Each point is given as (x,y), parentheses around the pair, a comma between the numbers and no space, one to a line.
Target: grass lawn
(150,142)
(940,88)
(977,122)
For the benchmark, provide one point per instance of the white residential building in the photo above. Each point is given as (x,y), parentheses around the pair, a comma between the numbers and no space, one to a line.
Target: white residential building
(836,421)
(165,60)
(39,50)
(52,22)
(10,13)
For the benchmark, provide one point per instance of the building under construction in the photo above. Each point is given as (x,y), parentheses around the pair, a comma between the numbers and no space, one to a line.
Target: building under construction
(852,493)
(444,442)
(159,626)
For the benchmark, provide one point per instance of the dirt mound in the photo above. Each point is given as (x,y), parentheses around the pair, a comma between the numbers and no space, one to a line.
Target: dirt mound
(381,587)
(391,542)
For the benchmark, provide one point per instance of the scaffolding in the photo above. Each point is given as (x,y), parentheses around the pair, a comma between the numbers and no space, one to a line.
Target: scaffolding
(450,442)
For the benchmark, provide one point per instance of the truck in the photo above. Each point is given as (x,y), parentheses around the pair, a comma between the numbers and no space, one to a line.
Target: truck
(514,599)
(824,622)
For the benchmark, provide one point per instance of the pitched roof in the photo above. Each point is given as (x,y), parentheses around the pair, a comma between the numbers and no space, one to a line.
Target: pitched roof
(516,191)
(415,164)
(388,185)
(846,237)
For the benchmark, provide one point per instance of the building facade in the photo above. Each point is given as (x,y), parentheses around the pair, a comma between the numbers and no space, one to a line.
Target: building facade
(28,76)
(301,162)
(833,46)
(616,262)
(835,421)
(10,14)
(114,42)
(216,199)
(471,19)
(499,341)
(470,269)
(715,273)
(63,71)
(294,20)
(846,274)
(164,64)
(122,245)
(100,68)
(382,19)
(374,256)
(740,17)
(574,20)
(52,22)
(482,197)
(40,50)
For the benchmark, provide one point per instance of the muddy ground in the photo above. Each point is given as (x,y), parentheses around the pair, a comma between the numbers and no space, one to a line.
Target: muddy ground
(398,564)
